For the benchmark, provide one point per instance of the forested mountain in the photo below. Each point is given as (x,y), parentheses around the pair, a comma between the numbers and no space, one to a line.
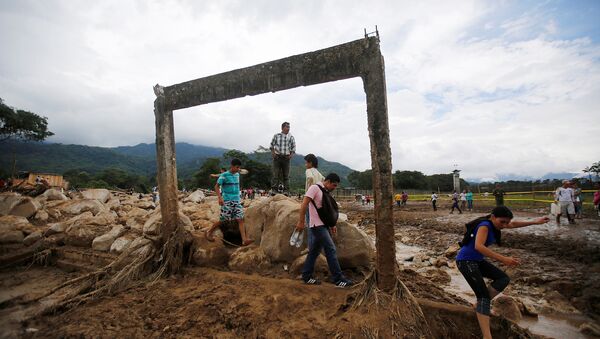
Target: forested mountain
(139,159)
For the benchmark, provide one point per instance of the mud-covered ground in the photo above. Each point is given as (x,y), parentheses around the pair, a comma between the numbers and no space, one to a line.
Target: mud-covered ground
(559,274)
(558,279)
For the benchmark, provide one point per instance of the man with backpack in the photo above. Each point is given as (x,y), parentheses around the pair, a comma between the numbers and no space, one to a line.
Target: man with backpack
(323,212)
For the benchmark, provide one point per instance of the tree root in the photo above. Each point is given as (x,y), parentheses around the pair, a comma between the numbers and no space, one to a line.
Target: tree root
(140,263)
(404,313)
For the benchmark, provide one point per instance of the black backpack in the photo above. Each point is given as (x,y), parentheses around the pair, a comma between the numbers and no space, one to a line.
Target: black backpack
(328,213)
(470,234)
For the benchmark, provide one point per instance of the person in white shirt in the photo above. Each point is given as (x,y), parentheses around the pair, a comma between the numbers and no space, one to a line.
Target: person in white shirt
(313,177)
(434,198)
(564,197)
(463,199)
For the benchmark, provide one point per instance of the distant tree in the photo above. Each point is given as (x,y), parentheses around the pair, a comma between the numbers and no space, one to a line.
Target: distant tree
(22,124)
(203,178)
(259,174)
(77,178)
(410,179)
(227,156)
(594,168)
(361,180)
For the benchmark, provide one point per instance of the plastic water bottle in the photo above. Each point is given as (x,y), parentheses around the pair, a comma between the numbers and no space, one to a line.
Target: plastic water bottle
(296,238)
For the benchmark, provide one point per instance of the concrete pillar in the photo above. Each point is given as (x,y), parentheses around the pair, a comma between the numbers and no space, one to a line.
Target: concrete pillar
(166,168)
(381,162)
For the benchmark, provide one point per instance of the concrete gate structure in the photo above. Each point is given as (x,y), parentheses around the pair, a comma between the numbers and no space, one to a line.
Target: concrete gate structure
(360,58)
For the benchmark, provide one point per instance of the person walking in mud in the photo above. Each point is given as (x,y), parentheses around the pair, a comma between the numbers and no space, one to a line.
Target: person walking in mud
(565,197)
(228,193)
(499,195)
(463,200)
(320,233)
(469,197)
(398,199)
(455,203)
(434,199)
(283,147)
(481,233)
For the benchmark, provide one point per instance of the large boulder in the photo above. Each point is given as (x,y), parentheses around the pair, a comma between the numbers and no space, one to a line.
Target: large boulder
(54,194)
(32,238)
(55,228)
(271,221)
(249,258)
(196,197)
(507,307)
(41,215)
(80,206)
(154,222)
(209,253)
(14,236)
(354,247)
(8,200)
(26,207)
(113,204)
(15,223)
(82,235)
(120,244)
(99,194)
(145,204)
(104,242)
(136,218)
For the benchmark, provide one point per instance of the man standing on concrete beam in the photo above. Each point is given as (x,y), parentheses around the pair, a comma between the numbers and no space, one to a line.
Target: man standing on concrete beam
(283,147)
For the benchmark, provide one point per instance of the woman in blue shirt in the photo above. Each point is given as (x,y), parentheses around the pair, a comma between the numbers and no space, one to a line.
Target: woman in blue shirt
(481,233)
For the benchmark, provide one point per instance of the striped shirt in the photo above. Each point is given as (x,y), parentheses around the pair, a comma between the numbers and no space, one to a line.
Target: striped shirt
(283,144)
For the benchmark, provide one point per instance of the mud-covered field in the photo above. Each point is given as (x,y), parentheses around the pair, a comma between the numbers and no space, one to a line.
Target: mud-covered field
(556,288)
(558,279)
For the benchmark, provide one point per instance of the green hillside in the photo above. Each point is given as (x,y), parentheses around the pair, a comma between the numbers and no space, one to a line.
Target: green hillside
(139,159)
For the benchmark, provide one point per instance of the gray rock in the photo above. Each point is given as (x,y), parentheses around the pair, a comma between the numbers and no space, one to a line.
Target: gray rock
(41,215)
(104,242)
(26,207)
(100,194)
(120,244)
(196,197)
(249,258)
(54,194)
(79,206)
(32,238)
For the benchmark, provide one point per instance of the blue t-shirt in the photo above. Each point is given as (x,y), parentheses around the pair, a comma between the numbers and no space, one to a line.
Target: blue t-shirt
(230,186)
(468,251)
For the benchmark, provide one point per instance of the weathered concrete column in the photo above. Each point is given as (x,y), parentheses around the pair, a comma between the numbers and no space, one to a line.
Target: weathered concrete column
(381,162)
(166,166)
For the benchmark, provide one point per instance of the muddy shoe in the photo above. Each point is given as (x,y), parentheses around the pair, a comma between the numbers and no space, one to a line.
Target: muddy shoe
(344,283)
(312,281)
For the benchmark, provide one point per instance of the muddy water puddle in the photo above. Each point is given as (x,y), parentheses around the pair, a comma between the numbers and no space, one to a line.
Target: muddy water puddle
(553,326)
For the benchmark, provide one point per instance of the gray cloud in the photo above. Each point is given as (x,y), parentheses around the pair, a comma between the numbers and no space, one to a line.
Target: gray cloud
(494,94)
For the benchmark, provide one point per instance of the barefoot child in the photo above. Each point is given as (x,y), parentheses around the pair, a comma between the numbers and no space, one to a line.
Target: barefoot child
(228,191)
(481,233)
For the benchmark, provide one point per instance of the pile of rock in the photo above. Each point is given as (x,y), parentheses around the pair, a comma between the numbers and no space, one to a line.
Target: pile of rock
(110,221)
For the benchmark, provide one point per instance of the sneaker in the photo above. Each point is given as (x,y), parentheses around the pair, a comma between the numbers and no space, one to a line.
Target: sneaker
(344,283)
(312,281)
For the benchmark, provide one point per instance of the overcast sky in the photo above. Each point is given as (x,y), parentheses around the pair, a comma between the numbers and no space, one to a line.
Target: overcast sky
(495,87)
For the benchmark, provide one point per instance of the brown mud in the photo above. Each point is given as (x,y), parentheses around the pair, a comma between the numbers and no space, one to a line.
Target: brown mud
(558,275)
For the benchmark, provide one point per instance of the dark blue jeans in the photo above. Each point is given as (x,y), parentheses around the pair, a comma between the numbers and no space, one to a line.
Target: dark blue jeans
(321,239)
